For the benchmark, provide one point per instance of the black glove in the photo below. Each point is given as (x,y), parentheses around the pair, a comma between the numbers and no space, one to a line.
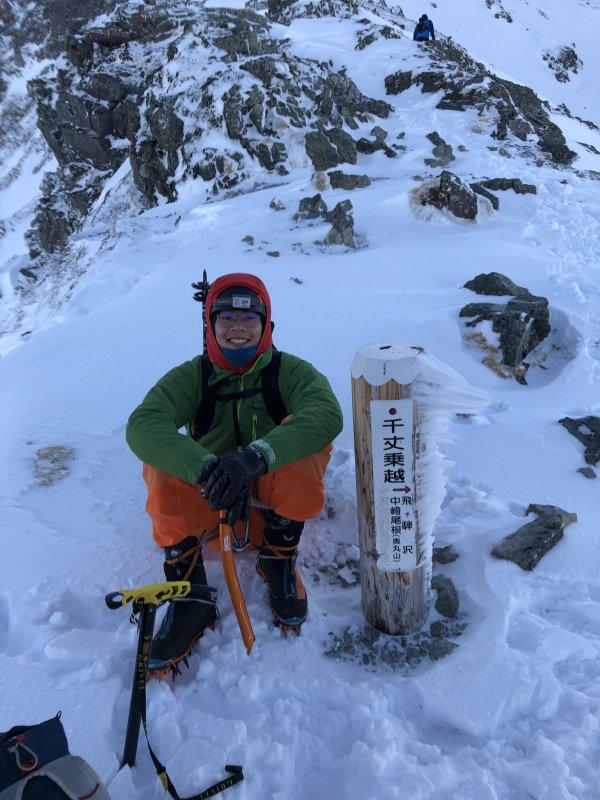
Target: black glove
(240,510)
(230,477)
(207,470)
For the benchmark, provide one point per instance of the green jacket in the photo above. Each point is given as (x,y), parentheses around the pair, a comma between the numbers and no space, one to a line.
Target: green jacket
(153,428)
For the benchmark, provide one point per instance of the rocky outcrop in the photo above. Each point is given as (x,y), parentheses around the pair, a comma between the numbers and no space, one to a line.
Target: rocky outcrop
(503,184)
(341,180)
(478,189)
(442,152)
(466,83)
(521,324)
(398,82)
(311,208)
(497,285)
(446,603)
(587,430)
(563,61)
(370,146)
(341,95)
(527,545)
(342,225)
(286,11)
(444,555)
(329,147)
(372,33)
(321,151)
(117,98)
(448,191)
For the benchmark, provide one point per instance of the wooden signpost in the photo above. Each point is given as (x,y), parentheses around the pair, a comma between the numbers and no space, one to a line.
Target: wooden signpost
(402,400)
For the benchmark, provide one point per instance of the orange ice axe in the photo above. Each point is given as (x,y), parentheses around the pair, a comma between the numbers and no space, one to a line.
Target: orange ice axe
(233,584)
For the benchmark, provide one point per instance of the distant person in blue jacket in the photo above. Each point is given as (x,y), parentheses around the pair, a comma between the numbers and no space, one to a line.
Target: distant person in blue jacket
(424,30)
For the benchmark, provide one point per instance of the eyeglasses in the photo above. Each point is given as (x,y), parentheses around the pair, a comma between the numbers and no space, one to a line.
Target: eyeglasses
(248,318)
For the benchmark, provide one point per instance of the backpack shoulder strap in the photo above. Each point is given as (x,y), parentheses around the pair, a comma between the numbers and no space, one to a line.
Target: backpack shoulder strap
(269,377)
(206,410)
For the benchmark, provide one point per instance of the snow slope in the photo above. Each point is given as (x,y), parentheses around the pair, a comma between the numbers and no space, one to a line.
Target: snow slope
(517,48)
(513,712)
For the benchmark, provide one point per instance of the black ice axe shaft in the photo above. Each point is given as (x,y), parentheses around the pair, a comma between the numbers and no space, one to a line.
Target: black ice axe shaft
(132,735)
(145,601)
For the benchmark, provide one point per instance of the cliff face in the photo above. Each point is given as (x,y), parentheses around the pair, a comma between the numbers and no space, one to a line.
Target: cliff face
(190,93)
(184,94)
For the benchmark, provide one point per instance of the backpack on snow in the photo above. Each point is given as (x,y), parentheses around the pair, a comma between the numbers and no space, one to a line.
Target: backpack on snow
(35,764)
(269,388)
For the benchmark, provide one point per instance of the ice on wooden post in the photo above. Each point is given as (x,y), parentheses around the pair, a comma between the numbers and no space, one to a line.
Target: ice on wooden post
(403,401)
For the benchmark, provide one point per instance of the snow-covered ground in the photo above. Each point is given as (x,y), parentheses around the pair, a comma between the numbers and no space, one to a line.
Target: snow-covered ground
(513,712)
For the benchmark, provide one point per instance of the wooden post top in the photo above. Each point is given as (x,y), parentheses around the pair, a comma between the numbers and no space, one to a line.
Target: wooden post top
(381,362)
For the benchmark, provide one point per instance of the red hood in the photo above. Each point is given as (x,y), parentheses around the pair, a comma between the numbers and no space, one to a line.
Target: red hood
(215,353)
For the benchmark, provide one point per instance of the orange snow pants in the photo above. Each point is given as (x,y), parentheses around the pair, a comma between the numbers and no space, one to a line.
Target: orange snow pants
(178,509)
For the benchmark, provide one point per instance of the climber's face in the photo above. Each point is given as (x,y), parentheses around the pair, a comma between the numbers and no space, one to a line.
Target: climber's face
(238,329)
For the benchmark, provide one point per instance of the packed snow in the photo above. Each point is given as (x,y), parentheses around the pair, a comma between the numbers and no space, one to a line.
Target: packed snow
(513,712)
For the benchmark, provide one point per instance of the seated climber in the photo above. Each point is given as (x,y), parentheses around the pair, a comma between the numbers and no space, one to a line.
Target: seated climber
(259,429)
(424,29)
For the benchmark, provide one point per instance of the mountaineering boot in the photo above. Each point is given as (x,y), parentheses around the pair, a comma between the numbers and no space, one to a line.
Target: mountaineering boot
(276,564)
(185,620)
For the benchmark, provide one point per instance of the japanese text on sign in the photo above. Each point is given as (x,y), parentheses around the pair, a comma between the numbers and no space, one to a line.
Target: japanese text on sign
(393,484)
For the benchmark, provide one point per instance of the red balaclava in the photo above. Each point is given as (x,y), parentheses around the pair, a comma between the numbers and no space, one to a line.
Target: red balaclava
(215,354)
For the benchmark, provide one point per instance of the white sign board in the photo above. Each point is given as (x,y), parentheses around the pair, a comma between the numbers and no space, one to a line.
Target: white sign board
(393,484)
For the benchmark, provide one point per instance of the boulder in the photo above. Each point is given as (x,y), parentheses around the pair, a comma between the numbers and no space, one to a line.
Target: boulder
(521,324)
(165,126)
(340,92)
(232,112)
(105,87)
(439,648)
(449,191)
(446,602)
(80,52)
(92,149)
(344,144)
(502,184)
(587,430)
(320,151)
(525,100)
(562,61)
(379,133)
(478,189)
(442,152)
(444,555)
(264,68)
(342,225)
(370,146)
(269,155)
(311,208)
(527,545)
(431,81)
(375,31)
(398,82)
(496,284)
(341,180)
(126,120)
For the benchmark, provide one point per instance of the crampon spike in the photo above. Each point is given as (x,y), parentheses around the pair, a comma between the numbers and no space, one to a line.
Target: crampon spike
(285,629)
